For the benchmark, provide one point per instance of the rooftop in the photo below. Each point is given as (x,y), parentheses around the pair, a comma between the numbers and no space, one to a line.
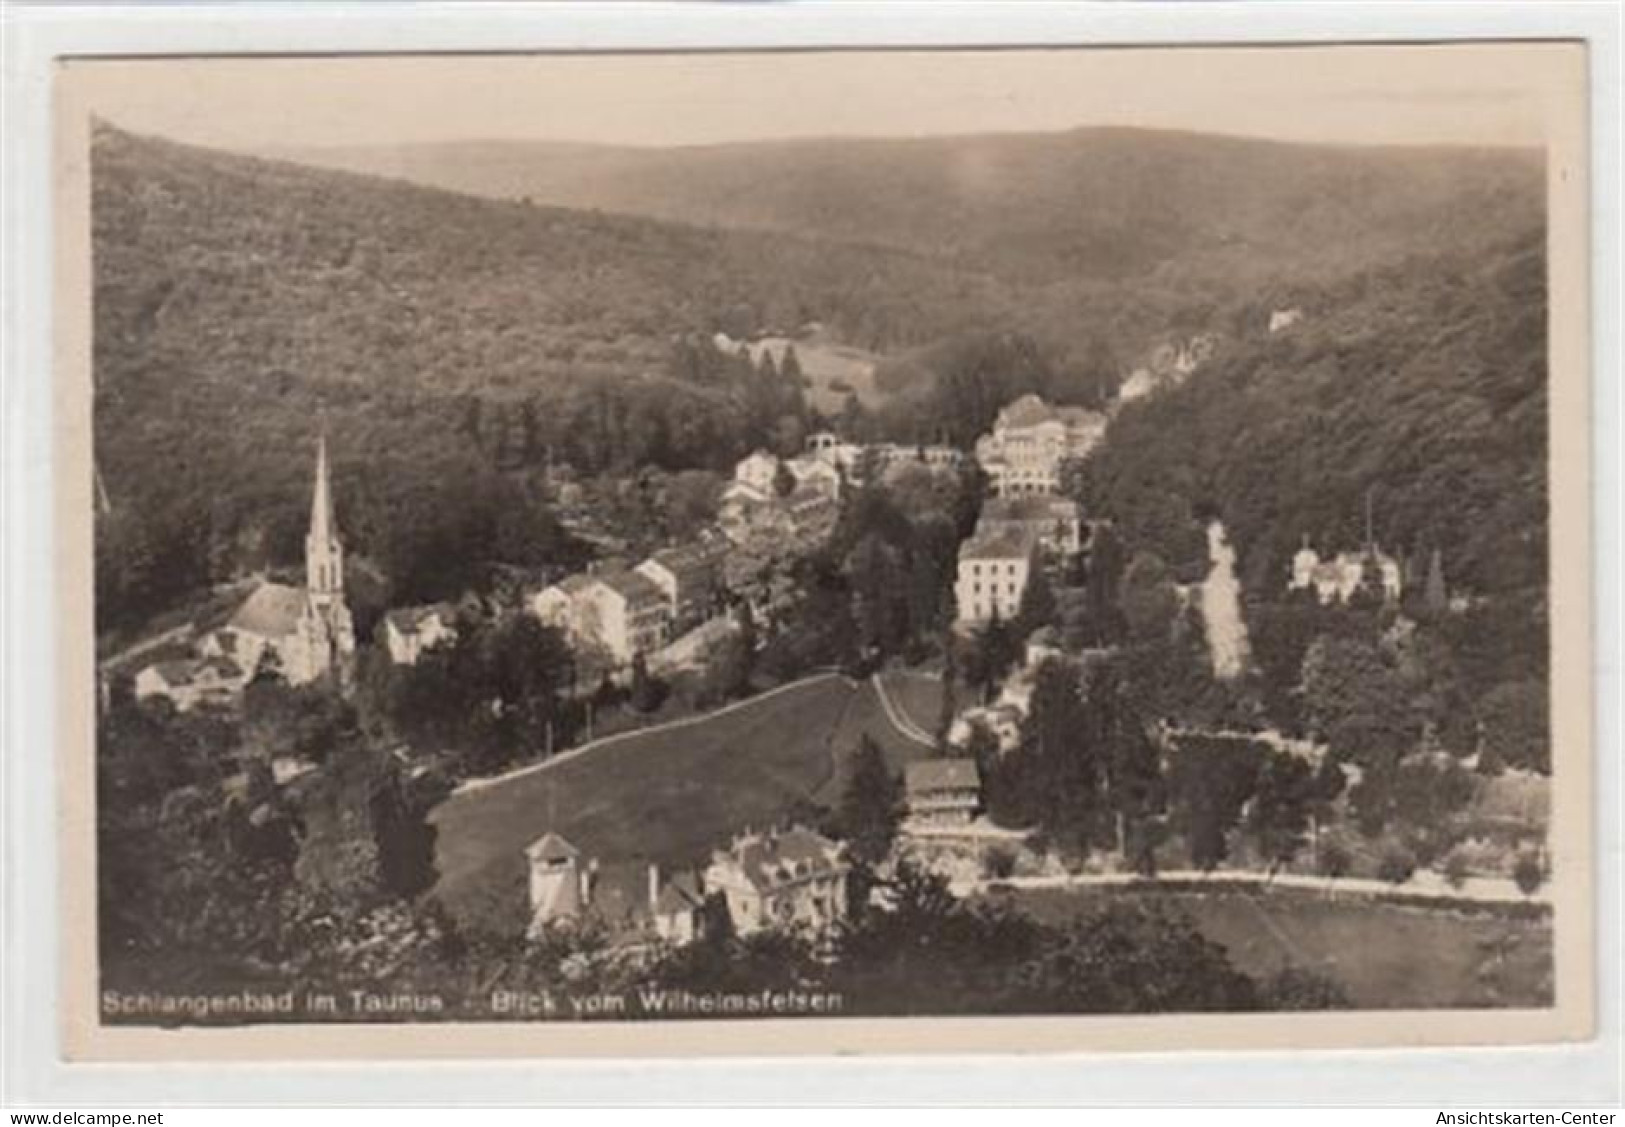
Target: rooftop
(1029,507)
(776,858)
(408,620)
(633,587)
(272,611)
(1005,545)
(942,774)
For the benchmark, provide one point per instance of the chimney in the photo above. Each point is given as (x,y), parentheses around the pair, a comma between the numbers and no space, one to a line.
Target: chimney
(654,887)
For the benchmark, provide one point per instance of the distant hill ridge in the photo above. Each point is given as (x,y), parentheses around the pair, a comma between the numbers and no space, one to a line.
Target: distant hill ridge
(1098,202)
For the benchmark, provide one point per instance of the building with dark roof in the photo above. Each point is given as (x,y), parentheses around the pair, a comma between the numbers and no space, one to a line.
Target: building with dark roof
(942,792)
(632,902)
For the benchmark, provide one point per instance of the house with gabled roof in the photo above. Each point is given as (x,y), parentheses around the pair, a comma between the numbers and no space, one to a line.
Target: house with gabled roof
(192,681)
(942,792)
(409,631)
(792,879)
(632,902)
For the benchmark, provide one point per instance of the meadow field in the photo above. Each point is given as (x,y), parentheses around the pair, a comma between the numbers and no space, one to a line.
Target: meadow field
(1384,955)
(668,795)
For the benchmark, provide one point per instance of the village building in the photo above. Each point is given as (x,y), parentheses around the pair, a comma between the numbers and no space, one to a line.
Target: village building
(690,578)
(189,682)
(621,611)
(1031,440)
(633,902)
(992,576)
(409,631)
(1337,578)
(791,879)
(1051,522)
(942,792)
(1283,319)
(760,471)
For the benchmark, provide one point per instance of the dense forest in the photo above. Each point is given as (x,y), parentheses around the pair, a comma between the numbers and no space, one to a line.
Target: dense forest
(1097,204)
(1422,384)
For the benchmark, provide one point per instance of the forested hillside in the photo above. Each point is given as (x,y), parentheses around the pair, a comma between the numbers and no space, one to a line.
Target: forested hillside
(452,341)
(1422,383)
(444,337)
(1102,204)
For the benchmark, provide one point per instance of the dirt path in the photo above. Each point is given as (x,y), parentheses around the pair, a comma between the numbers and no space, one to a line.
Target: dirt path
(899,720)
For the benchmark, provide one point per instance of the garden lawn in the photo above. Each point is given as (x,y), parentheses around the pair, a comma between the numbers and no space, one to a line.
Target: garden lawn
(665,796)
(1385,956)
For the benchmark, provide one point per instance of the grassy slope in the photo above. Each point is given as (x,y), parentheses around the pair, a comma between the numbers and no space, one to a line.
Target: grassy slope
(917,695)
(665,796)
(1385,956)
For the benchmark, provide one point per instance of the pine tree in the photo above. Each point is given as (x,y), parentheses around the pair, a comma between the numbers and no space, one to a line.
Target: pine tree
(871,804)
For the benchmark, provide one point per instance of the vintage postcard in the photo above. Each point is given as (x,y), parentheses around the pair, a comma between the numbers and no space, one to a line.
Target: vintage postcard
(1008,550)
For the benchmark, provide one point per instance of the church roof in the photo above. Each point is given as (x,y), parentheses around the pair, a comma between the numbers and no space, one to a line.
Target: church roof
(272,611)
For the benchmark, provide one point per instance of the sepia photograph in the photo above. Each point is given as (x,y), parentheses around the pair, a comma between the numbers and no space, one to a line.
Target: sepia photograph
(797,543)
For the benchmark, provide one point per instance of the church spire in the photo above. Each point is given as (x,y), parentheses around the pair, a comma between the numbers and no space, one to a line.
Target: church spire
(324,557)
(321,501)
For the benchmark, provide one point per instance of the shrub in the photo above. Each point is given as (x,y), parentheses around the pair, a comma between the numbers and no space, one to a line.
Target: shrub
(1334,860)
(1455,868)
(998,862)
(1396,865)
(1529,873)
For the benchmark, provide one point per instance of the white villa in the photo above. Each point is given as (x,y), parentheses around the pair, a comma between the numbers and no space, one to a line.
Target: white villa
(792,878)
(1337,578)
(1029,442)
(993,572)
(624,612)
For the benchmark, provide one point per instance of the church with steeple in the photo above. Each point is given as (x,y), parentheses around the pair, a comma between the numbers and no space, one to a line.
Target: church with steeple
(303,633)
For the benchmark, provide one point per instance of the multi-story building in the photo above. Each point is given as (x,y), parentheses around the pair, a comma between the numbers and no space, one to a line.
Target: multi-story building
(942,792)
(690,577)
(793,879)
(1030,441)
(993,573)
(622,612)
